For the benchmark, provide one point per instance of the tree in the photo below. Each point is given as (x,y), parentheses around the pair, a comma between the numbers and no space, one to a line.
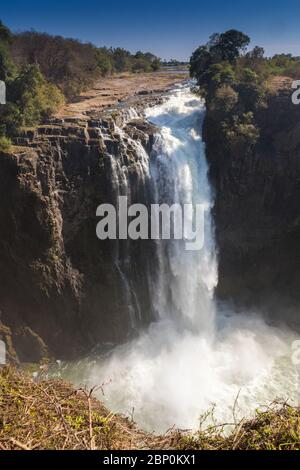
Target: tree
(257,53)
(200,61)
(121,59)
(6,66)
(104,61)
(225,47)
(228,46)
(36,99)
(5,34)
(250,90)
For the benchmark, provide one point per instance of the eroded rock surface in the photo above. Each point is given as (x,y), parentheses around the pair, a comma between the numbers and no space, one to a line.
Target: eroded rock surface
(257,213)
(62,291)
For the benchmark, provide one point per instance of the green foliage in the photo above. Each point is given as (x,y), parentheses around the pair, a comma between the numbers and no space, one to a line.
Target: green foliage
(145,62)
(5,34)
(10,119)
(251,91)
(228,46)
(244,132)
(220,74)
(221,48)
(34,96)
(104,62)
(121,60)
(40,70)
(200,62)
(67,63)
(5,144)
(293,69)
(4,62)
(30,100)
(233,83)
(226,98)
(6,65)
(72,65)
(275,428)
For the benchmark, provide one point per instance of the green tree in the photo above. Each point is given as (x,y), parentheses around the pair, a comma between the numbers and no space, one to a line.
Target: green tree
(221,48)
(200,61)
(34,96)
(250,90)
(121,60)
(5,34)
(229,45)
(6,65)
(104,61)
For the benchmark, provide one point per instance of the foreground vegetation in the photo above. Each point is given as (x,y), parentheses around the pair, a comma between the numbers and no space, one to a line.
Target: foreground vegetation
(43,414)
(41,72)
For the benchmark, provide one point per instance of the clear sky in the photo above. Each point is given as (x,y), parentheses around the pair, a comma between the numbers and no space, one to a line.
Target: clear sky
(168,28)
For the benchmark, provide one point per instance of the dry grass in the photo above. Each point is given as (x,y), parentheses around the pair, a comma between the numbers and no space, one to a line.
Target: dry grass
(278,82)
(53,415)
(276,428)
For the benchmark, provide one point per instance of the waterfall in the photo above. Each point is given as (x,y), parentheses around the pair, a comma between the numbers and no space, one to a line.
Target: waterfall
(179,173)
(118,151)
(196,354)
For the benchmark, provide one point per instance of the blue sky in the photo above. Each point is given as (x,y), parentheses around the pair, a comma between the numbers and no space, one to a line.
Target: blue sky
(169,28)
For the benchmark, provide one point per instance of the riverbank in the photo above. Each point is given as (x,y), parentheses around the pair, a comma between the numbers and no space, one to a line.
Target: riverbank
(117,90)
(40,414)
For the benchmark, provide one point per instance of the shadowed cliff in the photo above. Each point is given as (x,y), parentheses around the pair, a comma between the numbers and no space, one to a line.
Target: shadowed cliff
(257,194)
(62,291)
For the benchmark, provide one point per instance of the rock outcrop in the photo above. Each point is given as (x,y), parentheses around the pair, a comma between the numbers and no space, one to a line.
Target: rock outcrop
(257,216)
(62,291)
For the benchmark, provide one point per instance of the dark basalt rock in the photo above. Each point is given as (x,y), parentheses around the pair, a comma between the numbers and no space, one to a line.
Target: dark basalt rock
(257,211)
(62,291)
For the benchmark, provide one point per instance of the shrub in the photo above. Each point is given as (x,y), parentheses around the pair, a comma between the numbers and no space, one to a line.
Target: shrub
(5,144)
(250,90)
(244,131)
(35,97)
(225,99)
(10,118)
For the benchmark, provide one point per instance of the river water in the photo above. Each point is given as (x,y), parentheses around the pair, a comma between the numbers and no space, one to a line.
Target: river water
(197,356)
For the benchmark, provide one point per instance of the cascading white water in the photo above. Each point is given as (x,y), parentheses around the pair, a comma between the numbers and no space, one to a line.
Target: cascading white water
(179,171)
(193,356)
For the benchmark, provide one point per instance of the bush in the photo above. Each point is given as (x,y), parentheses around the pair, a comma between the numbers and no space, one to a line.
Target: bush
(35,97)
(11,119)
(251,92)
(5,144)
(244,132)
(225,99)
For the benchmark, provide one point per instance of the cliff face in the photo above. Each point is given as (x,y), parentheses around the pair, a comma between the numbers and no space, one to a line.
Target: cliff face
(62,291)
(257,216)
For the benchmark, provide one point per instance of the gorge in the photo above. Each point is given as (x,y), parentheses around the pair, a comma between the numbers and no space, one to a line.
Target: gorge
(199,353)
(168,332)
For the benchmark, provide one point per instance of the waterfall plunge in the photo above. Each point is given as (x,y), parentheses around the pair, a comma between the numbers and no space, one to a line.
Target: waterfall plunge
(192,357)
(178,167)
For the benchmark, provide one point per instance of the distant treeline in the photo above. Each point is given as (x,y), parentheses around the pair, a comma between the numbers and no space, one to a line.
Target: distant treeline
(175,63)
(73,65)
(42,71)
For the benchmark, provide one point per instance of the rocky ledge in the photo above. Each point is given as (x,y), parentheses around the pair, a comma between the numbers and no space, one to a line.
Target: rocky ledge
(62,291)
